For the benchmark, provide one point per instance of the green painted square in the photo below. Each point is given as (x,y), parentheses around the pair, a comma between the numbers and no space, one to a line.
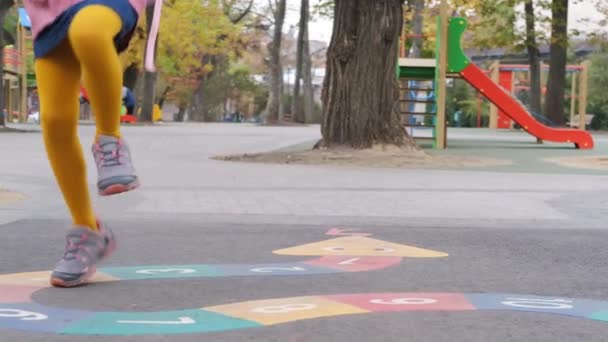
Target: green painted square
(156,323)
(161,272)
(600,316)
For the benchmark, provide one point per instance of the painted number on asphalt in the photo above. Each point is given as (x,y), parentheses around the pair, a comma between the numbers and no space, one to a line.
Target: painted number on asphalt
(272,269)
(167,270)
(536,303)
(404,301)
(22,315)
(180,320)
(276,309)
(349,261)
(384,250)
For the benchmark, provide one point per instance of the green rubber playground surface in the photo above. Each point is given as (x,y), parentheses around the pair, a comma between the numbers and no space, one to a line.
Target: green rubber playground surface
(520,149)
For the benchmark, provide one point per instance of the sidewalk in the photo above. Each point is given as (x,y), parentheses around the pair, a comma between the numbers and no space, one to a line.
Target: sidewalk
(179,178)
(224,251)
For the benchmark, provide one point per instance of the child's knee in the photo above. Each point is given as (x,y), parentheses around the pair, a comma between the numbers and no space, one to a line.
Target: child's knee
(58,125)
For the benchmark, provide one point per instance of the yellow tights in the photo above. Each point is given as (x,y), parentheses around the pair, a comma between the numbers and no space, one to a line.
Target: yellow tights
(89,53)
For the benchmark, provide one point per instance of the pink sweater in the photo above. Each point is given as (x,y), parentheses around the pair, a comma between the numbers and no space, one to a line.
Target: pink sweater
(43,12)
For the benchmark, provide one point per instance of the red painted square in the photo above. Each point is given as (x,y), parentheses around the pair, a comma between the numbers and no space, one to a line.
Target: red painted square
(355,264)
(390,302)
(12,294)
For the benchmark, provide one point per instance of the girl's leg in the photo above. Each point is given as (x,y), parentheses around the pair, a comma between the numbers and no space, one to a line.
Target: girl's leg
(58,76)
(91,36)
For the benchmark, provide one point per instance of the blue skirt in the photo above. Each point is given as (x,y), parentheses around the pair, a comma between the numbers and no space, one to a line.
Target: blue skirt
(55,33)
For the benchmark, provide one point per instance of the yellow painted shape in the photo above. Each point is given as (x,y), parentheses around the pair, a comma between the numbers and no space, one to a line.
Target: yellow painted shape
(41,279)
(283,310)
(9,197)
(359,246)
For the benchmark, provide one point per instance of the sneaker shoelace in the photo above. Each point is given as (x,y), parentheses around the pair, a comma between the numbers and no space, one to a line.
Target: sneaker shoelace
(108,156)
(76,244)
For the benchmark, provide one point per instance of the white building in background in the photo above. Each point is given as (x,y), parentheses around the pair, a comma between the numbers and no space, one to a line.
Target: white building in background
(318,53)
(318,75)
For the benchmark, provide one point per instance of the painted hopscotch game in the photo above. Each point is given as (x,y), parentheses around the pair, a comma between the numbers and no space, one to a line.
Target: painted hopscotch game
(346,251)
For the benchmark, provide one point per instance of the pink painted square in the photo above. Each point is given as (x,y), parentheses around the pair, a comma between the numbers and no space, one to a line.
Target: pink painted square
(391,302)
(355,264)
(13,294)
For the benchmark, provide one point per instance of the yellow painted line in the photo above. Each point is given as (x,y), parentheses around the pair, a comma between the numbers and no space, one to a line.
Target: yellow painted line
(41,279)
(283,310)
(359,246)
(34,279)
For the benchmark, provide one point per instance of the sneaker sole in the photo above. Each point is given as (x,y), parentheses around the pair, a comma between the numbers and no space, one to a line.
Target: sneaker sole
(58,282)
(119,189)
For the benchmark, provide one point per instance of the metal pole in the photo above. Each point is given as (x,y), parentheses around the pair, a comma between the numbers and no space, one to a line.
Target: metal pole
(573,99)
(582,97)
(495,75)
(23,69)
(479,110)
(442,77)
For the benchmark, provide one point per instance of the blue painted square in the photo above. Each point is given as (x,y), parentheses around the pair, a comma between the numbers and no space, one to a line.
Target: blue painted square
(35,317)
(600,316)
(281,269)
(541,304)
(156,323)
(160,272)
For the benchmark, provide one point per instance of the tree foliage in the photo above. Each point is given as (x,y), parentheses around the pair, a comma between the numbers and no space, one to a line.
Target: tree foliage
(134,55)
(197,29)
(598,83)
(5,6)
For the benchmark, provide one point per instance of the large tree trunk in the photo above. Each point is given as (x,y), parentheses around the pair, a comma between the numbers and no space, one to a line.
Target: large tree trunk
(297,107)
(195,109)
(533,58)
(308,99)
(181,114)
(296,102)
(2,15)
(360,93)
(130,76)
(200,98)
(417,28)
(147,106)
(274,106)
(163,97)
(554,102)
(4,7)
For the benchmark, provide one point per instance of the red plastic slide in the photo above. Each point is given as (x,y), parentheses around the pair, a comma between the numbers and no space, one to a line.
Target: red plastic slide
(516,111)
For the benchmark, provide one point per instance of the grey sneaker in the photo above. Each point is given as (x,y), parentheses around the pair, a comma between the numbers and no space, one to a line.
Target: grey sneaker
(84,249)
(115,170)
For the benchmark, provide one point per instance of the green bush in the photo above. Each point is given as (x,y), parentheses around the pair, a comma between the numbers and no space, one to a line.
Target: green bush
(598,83)
(462,97)
(600,120)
